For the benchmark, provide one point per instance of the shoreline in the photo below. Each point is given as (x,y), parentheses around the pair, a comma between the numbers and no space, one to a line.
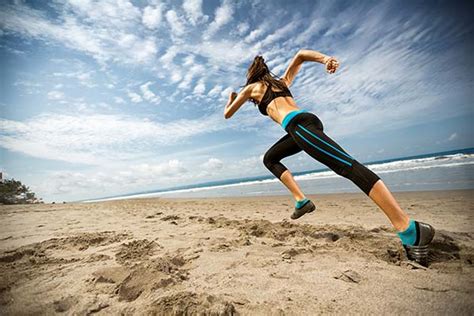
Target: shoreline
(260,196)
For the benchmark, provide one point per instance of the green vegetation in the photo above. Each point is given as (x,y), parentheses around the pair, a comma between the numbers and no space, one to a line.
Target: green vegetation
(14,192)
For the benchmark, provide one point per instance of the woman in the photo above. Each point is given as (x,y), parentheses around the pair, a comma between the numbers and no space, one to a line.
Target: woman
(305,133)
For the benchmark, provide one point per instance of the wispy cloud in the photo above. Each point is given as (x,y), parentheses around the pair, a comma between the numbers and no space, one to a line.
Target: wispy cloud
(176,23)
(148,94)
(193,9)
(152,16)
(101,139)
(99,30)
(55,95)
(222,16)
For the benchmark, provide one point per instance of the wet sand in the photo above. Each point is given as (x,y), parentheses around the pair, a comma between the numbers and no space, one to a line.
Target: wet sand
(234,256)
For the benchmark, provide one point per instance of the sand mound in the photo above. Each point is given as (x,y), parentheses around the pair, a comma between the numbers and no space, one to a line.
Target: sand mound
(129,281)
(44,252)
(78,242)
(135,250)
(151,276)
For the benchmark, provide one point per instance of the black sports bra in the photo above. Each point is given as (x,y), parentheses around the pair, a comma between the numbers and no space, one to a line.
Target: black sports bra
(269,96)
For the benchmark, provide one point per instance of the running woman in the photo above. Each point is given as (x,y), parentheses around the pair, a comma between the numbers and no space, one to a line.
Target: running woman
(305,132)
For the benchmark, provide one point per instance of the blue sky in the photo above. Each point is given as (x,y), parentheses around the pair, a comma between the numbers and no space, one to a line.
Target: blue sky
(107,97)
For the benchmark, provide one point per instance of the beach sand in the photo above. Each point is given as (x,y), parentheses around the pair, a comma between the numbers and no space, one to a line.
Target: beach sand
(234,256)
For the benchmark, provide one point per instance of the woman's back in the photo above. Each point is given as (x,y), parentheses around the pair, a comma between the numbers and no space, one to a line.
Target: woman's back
(275,103)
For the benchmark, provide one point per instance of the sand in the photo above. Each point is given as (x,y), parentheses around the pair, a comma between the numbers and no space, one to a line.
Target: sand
(234,256)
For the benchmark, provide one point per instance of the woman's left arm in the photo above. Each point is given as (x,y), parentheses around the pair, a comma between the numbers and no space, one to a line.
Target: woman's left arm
(236,100)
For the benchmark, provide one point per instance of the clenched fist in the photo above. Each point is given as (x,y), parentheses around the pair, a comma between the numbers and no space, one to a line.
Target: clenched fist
(331,65)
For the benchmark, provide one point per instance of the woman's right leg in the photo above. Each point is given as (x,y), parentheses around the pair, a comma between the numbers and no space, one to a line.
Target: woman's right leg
(307,131)
(309,135)
(382,196)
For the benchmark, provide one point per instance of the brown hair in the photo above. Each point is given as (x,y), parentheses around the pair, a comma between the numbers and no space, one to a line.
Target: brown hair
(258,71)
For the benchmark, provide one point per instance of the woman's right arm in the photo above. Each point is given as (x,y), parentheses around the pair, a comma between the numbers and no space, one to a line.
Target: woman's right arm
(308,55)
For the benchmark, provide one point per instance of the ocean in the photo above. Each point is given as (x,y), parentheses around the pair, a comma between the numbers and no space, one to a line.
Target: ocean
(447,170)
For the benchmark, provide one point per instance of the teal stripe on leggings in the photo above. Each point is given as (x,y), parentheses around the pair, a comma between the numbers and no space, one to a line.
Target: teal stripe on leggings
(328,153)
(322,140)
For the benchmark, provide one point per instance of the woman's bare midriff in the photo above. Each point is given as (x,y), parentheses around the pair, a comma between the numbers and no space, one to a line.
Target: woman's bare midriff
(279,107)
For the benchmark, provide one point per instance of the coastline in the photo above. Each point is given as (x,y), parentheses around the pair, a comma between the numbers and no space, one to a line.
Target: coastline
(234,254)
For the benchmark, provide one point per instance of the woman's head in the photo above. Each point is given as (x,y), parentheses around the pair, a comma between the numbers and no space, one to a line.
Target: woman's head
(257,70)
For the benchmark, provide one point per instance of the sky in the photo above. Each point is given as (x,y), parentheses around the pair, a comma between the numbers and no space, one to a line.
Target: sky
(101,98)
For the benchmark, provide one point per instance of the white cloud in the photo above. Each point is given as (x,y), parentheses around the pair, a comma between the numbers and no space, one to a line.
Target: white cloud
(135,97)
(190,74)
(100,139)
(199,88)
(280,33)
(189,60)
(152,16)
(167,169)
(242,28)
(223,15)
(175,76)
(176,23)
(167,59)
(29,87)
(309,31)
(224,53)
(193,9)
(148,94)
(215,91)
(84,78)
(225,93)
(97,29)
(261,30)
(72,183)
(55,95)
(145,50)
(213,164)
(119,14)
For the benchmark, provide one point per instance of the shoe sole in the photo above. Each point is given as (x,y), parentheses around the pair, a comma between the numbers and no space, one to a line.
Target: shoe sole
(307,208)
(417,253)
(420,253)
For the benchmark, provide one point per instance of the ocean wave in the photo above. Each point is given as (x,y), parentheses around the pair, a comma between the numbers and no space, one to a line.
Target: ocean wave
(442,161)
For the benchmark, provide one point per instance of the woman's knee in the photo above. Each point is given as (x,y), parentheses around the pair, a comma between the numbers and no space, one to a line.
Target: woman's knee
(273,164)
(269,160)
(359,174)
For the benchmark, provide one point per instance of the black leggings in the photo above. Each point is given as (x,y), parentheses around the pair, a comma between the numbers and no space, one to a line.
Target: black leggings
(305,132)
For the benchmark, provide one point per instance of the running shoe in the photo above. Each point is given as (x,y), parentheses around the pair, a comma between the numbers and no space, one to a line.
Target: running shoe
(419,251)
(308,207)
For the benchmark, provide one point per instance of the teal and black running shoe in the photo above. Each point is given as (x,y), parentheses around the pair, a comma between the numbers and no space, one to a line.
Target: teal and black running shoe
(308,207)
(419,250)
